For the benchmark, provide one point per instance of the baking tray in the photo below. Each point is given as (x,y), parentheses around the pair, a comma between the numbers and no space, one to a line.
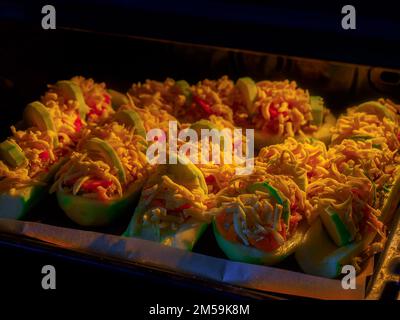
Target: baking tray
(121,60)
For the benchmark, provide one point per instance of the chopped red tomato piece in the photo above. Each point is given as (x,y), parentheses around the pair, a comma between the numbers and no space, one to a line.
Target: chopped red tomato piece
(78,124)
(273,112)
(107,98)
(96,111)
(203,104)
(210,179)
(44,155)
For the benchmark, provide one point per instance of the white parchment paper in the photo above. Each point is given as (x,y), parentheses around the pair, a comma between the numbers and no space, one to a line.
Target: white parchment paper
(146,252)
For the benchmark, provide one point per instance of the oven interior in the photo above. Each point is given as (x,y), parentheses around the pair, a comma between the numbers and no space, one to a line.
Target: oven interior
(30,59)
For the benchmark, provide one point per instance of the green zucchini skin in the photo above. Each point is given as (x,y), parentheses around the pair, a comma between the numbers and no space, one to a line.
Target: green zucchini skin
(392,201)
(95,213)
(242,253)
(117,99)
(186,236)
(319,255)
(18,206)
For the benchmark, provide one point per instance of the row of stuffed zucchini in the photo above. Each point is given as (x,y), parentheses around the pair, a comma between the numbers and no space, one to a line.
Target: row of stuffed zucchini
(321,188)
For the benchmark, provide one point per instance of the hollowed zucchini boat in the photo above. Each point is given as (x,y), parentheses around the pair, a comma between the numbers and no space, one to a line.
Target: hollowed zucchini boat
(260,222)
(103,178)
(358,198)
(279,109)
(52,127)
(328,245)
(30,158)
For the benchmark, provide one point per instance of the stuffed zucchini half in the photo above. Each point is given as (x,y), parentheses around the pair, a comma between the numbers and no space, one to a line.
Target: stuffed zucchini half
(103,178)
(150,113)
(188,103)
(217,174)
(279,109)
(262,221)
(172,207)
(92,97)
(50,130)
(303,161)
(28,161)
(375,121)
(354,201)
(342,235)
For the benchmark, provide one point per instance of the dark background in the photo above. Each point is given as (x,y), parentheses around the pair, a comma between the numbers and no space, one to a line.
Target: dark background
(300,28)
